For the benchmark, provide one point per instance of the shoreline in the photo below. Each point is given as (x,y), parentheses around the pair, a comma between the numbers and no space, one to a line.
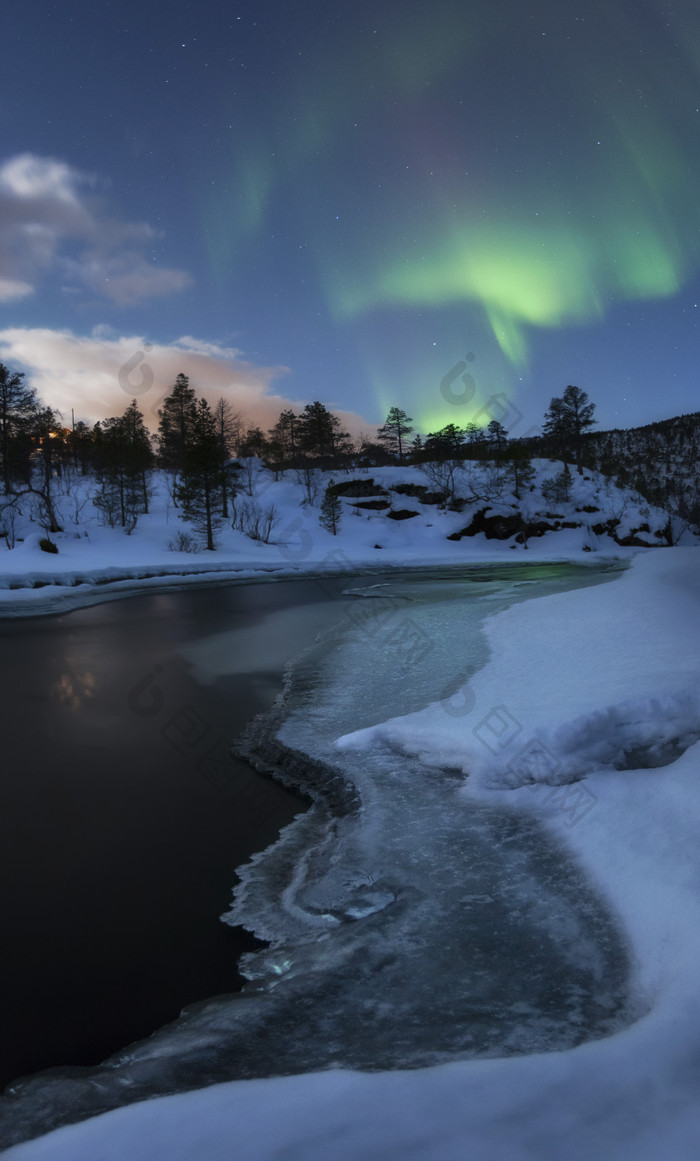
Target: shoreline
(157,1064)
(48,594)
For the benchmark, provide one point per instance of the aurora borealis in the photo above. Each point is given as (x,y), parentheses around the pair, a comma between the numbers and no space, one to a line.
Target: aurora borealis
(366,194)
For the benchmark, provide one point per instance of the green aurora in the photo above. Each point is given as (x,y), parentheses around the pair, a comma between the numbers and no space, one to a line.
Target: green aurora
(529,167)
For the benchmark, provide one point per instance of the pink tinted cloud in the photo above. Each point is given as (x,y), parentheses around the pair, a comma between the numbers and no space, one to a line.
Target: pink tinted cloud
(98,375)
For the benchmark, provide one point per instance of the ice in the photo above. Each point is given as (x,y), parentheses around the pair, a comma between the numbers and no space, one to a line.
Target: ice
(554,664)
(461,898)
(405,927)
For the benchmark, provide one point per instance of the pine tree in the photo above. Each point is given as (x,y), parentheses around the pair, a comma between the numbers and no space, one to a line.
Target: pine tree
(417,448)
(199,490)
(286,435)
(18,405)
(566,421)
(497,436)
(320,433)
(79,442)
(138,450)
(176,424)
(125,458)
(445,444)
(520,468)
(476,441)
(558,490)
(44,429)
(395,429)
(254,443)
(331,510)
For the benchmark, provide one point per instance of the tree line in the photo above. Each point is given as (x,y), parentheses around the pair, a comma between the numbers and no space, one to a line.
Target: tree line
(207,450)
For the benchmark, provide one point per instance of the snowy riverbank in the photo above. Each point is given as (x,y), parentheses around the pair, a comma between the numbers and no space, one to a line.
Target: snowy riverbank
(389,520)
(597,685)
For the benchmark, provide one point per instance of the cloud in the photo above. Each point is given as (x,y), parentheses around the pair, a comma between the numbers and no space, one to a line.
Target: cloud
(30,177)
(98,375)
(51,222)
(127,278)
(12,288)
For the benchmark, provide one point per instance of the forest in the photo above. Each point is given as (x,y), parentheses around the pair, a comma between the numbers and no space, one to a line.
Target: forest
(209,454)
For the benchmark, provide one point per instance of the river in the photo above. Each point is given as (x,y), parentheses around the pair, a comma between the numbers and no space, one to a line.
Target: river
(125,815)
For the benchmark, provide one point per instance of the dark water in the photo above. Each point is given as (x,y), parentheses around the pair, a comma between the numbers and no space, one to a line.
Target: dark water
(123,815)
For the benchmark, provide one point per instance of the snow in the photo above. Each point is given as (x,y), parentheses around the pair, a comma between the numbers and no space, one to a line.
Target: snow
(586,693)
(95,563)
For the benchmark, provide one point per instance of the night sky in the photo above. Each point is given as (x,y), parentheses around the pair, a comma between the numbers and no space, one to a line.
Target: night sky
(452,207)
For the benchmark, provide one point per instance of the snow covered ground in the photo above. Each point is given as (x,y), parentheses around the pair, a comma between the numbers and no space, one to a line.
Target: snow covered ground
(95,562)
(587,717)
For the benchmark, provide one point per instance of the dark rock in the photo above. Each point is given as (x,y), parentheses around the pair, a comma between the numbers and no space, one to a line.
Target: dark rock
(608,528)
(401,514)
(494,527)
(420,492)
(499,527)
(354,488)
(632,540)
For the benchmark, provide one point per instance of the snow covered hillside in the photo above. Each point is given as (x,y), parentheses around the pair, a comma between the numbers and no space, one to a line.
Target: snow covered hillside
(433,514)
(660,460)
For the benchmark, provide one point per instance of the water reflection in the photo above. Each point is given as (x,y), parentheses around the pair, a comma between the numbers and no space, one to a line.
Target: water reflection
(73,689)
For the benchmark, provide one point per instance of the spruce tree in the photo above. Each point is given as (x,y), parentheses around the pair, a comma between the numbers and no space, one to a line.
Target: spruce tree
(331,510)
(176,424)
(558,490)
(125,458)
(138,451)
(417,448)
(201,476)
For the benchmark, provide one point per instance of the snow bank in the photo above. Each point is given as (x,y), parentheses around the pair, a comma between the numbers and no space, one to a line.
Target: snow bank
(96,563)
(571,673)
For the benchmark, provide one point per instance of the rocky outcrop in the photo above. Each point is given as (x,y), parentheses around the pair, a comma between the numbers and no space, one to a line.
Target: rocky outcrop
(401,514)
(356,488)
(420,492)
(502,526)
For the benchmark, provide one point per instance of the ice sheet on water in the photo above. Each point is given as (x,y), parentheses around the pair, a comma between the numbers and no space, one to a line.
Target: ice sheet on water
(469,901)
(405,927)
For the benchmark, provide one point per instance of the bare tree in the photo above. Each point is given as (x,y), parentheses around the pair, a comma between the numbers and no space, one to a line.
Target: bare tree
(310,479)
(256,522)
(229,429)
(443,475)
(10,514)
